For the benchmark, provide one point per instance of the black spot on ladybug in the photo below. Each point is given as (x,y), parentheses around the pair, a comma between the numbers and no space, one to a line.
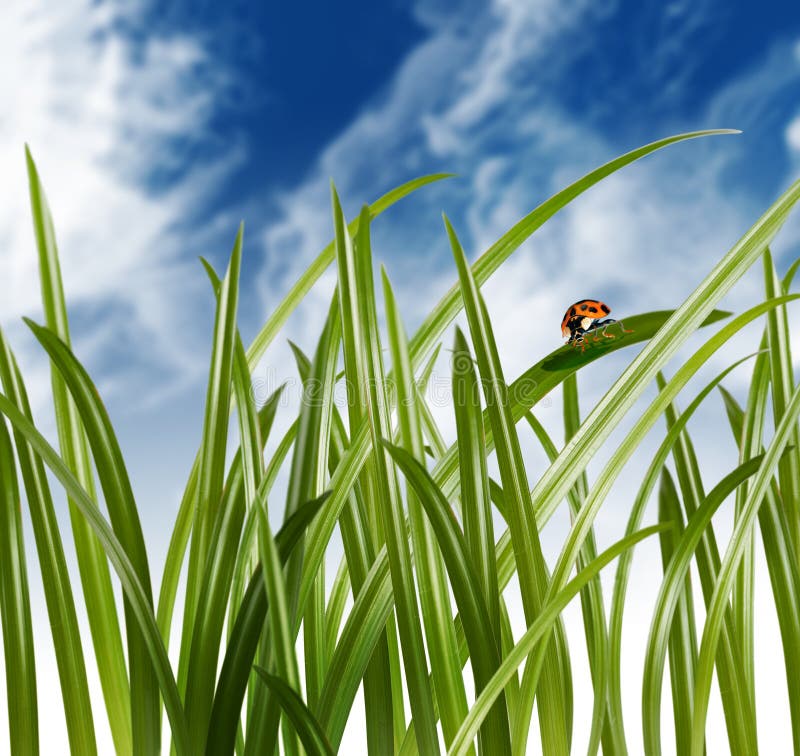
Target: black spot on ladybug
(572,311)
(605,309)
(593,310)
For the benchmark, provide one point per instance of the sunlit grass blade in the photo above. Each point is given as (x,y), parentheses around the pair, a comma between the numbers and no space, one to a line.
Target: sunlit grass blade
(95,577)
(209,487)
(52,564)
(682,636)
(782,385)
(356,281)
(247,630)
(440,636)
(311,734)
(522,524)
(784,433)
(779,554)
(15,610)
(334,611)
(538,629)
(136,595)
(672,589)
(484,646)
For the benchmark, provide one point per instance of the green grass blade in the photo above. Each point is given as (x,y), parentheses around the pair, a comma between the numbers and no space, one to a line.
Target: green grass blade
(52,564)
(533,577)
(372,377)
(135,593)
(247,631)
(592,605)
(449,306)
(311,734)
(475,501)
(92,564)
(719,602)
(440,636)
(334,612)
(682,636)
(634,521)
(303,285)
(672,589)
(484,646)
(124,516)
(15,609)
(782,386)
(777,540)
(538,629)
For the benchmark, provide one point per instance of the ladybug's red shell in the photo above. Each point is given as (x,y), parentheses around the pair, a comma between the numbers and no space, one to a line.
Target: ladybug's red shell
(586,308)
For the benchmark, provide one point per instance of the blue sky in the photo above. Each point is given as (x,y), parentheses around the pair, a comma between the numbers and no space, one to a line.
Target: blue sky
(157,131)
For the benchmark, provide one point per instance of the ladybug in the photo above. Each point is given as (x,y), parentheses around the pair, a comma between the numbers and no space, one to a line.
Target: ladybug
(585,316)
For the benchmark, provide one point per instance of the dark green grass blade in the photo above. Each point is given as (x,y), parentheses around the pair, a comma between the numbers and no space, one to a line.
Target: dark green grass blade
(634,521)
(92,564)
(682,636)
(719,602)
(672,589)
(53,567)
(135,593)
(243,642)
(541,626)
(15,609)
(435,598)
(522,525)
(484,647)
(777,540)
(449,306)
(356,285)
(311,734)
(124,516)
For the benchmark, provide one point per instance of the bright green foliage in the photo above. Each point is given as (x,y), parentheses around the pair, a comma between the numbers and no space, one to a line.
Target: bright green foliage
(417,612)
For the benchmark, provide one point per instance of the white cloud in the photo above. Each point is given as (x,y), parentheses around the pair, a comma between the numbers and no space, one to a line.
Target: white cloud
(99,110)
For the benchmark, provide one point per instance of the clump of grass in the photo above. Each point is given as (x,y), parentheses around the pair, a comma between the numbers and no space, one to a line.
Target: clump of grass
(237,685)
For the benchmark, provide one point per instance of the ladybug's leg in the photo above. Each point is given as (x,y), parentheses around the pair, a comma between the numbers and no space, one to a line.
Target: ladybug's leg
(624,330)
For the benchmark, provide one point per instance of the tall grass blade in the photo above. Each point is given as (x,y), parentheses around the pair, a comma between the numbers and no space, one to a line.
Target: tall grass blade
(15,611)
(437,615)
(93,567)
(532,571)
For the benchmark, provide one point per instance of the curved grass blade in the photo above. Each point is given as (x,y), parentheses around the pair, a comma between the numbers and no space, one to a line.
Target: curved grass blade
(484,646)
(311,734)
(247,631)
(124,516)
(634,521)
(15,609)
(541,626)
(137,598)
(435,598)
(92,565)
(52,564)
(777,540)
(719,602)
(532,571)
(672,589)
